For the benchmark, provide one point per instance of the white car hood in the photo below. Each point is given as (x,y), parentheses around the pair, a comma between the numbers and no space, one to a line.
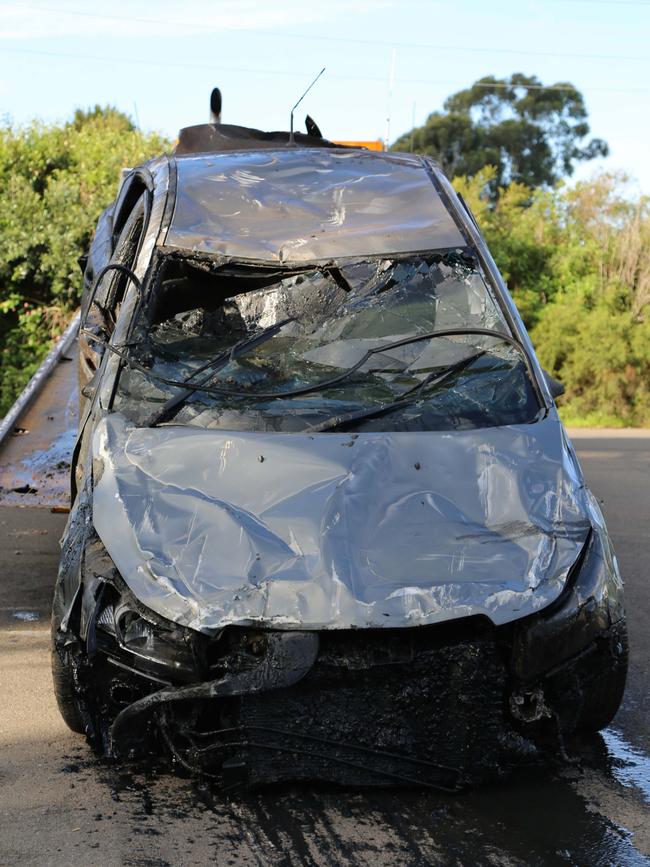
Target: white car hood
(331,531)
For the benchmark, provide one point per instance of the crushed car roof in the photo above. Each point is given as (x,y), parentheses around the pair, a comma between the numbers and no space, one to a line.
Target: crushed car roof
(294,205)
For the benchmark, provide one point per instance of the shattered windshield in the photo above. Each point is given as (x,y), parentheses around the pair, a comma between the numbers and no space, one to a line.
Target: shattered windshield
(248,348)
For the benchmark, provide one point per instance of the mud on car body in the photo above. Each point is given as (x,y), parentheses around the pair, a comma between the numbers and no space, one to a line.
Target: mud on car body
(326,522)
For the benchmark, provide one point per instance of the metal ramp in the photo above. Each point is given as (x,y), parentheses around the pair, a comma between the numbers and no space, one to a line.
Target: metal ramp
(38,434)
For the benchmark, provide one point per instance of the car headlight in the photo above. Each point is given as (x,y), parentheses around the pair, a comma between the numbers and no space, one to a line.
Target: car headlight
(163,651)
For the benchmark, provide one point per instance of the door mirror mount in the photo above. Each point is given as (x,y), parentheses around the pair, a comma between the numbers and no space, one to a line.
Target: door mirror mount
(554,386)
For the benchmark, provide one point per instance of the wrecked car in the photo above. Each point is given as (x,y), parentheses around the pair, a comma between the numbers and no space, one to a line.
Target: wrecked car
(326,522)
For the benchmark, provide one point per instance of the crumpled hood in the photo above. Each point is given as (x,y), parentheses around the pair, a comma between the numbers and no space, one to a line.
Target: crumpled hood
(330,531)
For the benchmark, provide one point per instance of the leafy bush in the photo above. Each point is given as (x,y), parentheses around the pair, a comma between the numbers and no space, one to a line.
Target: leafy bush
(54,183)
(577,261)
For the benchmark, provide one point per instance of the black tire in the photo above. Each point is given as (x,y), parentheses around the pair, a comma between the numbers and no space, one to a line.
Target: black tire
(64,691)
(603,695)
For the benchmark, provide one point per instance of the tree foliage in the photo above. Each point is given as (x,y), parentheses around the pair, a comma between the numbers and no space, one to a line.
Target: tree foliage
(577,262)
(54,183)
(529,134)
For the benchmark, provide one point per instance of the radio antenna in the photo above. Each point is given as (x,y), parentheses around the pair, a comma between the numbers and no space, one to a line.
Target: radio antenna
(291,140)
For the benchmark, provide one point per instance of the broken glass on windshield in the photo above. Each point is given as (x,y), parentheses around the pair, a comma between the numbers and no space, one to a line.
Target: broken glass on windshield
(286,350)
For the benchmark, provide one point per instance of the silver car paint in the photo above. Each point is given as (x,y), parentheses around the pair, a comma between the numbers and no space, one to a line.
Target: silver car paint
(295,205)
(331,531)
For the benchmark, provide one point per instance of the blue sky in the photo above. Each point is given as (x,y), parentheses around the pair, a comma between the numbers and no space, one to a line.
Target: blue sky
(159,61)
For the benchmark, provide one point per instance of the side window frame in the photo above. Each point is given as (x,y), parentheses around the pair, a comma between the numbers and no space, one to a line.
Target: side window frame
(104,299)
(125,252)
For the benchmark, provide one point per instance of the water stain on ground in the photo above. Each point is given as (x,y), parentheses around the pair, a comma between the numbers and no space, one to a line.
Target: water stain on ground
(26,616)
(536,816)
(628,764)
(35,460)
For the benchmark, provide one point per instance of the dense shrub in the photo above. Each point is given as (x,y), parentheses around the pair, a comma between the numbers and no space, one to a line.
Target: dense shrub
(54,183)
(577,261)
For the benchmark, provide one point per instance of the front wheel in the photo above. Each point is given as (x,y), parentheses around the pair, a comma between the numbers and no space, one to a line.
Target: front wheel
(64,689)
(604,692)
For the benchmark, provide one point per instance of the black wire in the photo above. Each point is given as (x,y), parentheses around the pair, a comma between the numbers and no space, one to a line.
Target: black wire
(174,403)
(429,46)
(116,266)
(112,266)
(403,778)
(329,742)
(407,399)
(321,386)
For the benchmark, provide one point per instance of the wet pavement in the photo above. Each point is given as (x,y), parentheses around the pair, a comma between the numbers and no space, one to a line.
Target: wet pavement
(59,805)
(35,459)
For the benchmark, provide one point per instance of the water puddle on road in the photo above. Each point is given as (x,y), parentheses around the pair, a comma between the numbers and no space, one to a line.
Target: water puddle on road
(629,765)
(42,476)
(26,616)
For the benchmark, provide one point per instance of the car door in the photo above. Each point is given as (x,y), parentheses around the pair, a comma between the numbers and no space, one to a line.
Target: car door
(98,321)
(102,302)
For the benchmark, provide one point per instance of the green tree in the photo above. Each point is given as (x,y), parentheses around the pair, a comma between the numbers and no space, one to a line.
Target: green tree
(530,134)
(577,262)
(107,114)
(54,183)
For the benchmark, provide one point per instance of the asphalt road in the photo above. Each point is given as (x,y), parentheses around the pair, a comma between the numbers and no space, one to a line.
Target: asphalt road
(59,806)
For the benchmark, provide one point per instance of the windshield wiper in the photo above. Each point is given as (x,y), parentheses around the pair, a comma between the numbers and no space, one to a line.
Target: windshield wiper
(413,395)
(174,404)
(218,391)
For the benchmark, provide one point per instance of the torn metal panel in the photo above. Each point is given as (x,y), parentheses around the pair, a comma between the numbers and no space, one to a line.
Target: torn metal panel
(330,531)
(308,205)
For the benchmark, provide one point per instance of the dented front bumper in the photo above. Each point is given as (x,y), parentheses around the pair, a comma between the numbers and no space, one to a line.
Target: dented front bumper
(439,705)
